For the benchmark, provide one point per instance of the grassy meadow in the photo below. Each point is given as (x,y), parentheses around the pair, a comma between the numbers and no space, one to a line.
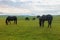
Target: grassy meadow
(29,30)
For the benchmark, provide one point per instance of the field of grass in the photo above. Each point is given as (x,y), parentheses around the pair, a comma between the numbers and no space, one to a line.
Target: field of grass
(29,30)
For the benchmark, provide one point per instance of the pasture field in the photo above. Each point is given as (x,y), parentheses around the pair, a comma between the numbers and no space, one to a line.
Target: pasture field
(29,30)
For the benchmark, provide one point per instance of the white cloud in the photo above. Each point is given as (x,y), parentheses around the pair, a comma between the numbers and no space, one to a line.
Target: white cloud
(13,0)
(38,6)
(6,9)
(23,0)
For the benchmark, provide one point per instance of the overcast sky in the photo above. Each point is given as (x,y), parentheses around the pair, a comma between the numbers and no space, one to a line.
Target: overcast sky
(30,7)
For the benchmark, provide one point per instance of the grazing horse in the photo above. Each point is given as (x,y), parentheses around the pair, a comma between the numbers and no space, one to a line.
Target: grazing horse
(11,18)
(26,18)
(38,16)
(44,18)
(33,19)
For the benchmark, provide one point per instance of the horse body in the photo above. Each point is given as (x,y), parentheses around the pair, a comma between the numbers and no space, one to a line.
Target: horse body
(11,18)
(44,18)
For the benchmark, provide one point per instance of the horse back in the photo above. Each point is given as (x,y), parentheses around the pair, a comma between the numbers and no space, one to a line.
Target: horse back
(11,18)
(46,17)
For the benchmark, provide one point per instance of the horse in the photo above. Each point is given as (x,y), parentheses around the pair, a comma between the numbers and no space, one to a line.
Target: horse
(26,18)
(38,16)
(11,18)
(44,18)
(33,19)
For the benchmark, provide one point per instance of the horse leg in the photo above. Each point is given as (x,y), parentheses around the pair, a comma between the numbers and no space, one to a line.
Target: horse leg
(15,22)
(42,23)
(49,24)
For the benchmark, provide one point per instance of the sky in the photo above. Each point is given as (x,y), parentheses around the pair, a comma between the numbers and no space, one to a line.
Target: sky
(29,7)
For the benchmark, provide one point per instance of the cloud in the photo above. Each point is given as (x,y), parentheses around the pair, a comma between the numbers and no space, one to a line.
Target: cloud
(31,6)
(8,9)
(13,0)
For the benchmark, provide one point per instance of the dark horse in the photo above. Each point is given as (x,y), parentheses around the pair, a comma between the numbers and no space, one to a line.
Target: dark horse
(11,18)
(26,18)
(33,19)
(44,18)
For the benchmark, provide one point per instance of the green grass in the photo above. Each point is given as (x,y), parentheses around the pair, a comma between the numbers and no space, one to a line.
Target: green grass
(29,30)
